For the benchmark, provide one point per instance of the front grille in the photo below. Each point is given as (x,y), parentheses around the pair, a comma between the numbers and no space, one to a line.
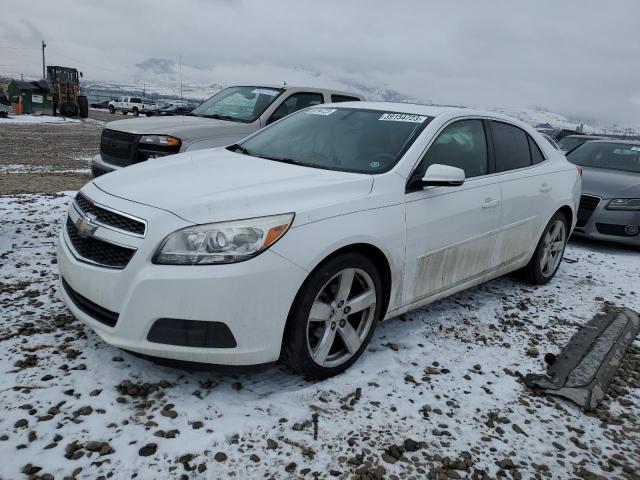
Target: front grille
(92,309)
(123,149)
(97,251)
(613,229)
(108,217)
(118,148)
(588,203)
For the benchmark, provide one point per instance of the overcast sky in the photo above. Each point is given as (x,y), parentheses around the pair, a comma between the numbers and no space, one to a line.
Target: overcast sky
(577,58)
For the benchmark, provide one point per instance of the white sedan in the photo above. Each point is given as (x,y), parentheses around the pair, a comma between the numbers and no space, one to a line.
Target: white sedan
(296,242)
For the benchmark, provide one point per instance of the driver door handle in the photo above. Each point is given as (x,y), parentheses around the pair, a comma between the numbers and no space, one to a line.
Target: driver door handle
(489,202)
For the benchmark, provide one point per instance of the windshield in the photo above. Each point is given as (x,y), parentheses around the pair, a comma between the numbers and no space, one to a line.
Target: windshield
(614,156)
(569,143)
(238,104)
(345,139)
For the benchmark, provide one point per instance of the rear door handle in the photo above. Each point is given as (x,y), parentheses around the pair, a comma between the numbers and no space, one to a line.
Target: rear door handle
(545,187)
(489,202)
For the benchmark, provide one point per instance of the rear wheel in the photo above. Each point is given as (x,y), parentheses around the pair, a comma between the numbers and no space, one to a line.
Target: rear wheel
(333,317)
(548,255)
(136,112)
(69,109)
(83,106)
(112,109)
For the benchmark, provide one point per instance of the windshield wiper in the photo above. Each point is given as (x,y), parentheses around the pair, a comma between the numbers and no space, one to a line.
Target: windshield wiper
(239,148)
(217,116)
(285,160)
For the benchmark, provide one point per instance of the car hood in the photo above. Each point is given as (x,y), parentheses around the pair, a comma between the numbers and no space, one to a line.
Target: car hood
(610,183)
(216,185)
(184,127)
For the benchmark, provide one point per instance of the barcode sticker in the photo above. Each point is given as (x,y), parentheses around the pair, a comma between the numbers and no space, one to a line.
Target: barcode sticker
(402,117)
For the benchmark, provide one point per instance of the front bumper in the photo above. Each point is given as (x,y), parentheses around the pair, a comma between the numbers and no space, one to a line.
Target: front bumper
(100,167)
(611,225)
(251,298)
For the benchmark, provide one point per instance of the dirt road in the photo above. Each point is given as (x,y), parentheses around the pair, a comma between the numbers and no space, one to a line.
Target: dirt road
(49,157)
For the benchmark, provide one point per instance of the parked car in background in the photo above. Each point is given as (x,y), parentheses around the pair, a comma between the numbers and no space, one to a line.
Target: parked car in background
(223,119)
(570,142)
(610,202)
(175,108)
(295,242)
(104,104)
(133,105)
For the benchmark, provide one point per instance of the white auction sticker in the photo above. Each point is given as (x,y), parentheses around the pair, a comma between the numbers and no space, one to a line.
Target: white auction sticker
(321,111)
(402,117)
(264,91)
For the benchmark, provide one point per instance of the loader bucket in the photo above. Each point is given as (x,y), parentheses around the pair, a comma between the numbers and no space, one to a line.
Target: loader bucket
(585,367)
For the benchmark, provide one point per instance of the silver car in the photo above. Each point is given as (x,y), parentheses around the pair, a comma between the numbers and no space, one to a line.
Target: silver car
(610,202)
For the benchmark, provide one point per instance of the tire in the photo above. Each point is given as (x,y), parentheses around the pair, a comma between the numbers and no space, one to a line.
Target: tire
(537,274)
(336,318)
(83,106)
(136,112)
(69,109)
(112,109)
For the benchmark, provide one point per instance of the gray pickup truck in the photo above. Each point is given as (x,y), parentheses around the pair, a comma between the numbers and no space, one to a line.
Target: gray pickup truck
(226,117)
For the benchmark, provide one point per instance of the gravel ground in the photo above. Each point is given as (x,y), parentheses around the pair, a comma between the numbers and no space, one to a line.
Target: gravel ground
(49,157)
(438,394)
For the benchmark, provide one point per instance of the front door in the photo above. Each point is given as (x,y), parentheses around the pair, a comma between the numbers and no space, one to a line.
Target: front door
(451,231)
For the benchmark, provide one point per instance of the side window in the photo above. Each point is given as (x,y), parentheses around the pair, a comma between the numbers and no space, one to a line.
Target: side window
(511,146)
(135,100)
(343,98)
(296,102)
(536,153)
(462,144)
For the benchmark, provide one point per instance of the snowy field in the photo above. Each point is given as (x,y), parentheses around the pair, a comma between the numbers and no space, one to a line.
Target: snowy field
(438,395)
(35,119)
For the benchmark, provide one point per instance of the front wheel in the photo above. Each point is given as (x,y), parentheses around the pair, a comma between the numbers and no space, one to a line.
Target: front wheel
(333,317)
(548,255)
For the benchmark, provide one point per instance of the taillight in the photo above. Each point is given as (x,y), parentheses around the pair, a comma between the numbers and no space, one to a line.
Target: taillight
(579,167)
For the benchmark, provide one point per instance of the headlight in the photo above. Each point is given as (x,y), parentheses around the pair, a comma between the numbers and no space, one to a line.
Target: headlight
(162,140)
(624,204)
(224,242)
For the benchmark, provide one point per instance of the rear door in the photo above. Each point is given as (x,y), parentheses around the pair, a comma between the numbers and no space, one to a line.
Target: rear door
(451,231)
(526,186)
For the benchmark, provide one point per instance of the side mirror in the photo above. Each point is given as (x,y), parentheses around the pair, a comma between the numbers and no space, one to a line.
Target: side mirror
(442,176)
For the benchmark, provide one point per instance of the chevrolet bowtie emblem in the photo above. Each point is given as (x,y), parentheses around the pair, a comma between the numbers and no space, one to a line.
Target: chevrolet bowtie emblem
(85,226)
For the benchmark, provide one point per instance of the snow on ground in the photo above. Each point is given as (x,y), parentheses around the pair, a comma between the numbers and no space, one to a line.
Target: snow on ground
(30,119)
(438,392)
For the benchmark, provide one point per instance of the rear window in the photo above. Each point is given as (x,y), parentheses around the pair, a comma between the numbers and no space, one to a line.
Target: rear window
(511,146)
(609,155)
(569,143)
(343,98)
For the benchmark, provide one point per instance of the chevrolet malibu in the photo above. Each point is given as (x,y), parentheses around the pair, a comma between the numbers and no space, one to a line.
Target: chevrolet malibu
(295,242)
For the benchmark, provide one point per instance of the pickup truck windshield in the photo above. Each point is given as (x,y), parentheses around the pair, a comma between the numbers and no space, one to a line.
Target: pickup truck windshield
(238,104)
(345,139)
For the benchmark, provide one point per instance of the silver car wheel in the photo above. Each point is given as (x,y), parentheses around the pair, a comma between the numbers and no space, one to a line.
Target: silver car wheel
(553,248)
(341,317)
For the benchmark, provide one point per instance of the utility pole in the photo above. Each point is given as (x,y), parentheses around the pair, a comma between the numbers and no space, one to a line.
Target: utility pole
(181,78)
(44,73)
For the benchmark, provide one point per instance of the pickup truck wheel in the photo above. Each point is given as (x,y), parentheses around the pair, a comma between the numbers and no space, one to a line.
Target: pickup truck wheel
(112,109)
(136,112)
(333,317)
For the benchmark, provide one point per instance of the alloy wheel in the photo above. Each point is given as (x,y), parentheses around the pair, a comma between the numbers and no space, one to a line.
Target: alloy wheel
(341,317)
(553,248)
